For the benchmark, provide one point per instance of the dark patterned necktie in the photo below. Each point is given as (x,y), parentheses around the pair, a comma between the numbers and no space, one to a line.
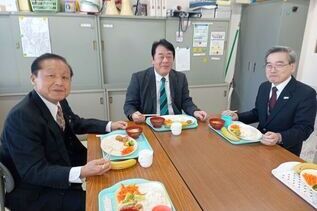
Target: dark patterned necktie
(60,118)
(163,98)
(273,99)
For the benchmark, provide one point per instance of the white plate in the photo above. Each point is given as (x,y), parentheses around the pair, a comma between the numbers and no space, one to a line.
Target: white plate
(180,118)
(114,147)
(308,171)
(248,132)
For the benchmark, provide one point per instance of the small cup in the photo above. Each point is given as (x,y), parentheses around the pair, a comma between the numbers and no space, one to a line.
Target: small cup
(176,128)
(145,158)
(227,119)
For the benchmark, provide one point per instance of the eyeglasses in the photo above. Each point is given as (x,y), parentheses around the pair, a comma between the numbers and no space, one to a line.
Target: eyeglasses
(276,66)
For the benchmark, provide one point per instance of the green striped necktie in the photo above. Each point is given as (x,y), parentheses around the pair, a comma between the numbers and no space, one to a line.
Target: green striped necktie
(163,98)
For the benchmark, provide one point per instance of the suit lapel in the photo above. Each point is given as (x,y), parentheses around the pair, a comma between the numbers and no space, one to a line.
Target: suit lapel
(173,83)
(264,101)
(151,86)
(52,125)
(283,99)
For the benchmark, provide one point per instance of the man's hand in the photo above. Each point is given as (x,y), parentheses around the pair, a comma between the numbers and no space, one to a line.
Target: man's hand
(138,117)
(95,167)
(201,115)
(118,125)
(233,114)
(271,138)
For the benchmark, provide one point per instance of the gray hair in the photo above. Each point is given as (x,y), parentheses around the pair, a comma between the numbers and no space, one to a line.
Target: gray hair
(291,53)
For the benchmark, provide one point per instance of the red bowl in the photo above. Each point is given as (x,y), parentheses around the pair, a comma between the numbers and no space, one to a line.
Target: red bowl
(157,121)
(216,123)
(134,131)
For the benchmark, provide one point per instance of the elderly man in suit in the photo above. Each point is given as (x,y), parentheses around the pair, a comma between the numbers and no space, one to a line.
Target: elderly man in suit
(39,145)
(285,108)
(160,89)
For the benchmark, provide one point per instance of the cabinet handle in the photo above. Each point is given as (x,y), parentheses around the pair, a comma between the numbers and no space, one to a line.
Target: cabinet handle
(254,65)
(17,45)
(102,45)
(110,99)
(94,45)
(248,66)
(225,93)
(101,100)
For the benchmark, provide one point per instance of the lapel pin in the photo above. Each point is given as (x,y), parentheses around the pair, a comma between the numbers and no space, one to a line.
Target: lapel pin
(286,97)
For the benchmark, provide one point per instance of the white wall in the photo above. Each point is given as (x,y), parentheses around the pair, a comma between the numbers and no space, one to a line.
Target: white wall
(308,62)
(307,73)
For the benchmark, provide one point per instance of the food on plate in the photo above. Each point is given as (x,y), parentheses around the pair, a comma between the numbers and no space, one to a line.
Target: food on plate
(302,166)
(117,165)
(122,139)
(168,122)
(311,180)
(229,135)
(235,130)
(216,123)
(144,196)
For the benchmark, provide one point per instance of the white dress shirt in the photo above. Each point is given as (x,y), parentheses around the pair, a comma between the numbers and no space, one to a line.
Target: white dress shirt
(280,87)
(158,78)
(74,174)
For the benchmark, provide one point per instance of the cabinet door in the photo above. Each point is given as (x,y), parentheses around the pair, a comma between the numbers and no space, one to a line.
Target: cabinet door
(88,104)
(204,69)
(75,38)
(7,103)
(115,102)
(127,46)
(212,99)
(10,78)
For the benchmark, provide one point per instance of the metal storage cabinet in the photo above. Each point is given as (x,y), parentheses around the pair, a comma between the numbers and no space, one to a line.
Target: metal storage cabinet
(10,78)
(207,69)
(264,25)
(73,37)
(127,43)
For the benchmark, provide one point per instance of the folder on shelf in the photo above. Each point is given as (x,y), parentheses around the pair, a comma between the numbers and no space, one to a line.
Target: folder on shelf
(152,8)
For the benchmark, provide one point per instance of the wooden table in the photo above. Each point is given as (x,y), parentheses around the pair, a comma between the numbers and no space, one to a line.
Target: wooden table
(161,170)
(223,176)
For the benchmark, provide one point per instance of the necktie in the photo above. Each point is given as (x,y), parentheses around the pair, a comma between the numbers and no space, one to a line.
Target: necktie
(273,99)
(60,118)
(163,98)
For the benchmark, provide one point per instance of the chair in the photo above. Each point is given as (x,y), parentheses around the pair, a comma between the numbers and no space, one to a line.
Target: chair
(6,183)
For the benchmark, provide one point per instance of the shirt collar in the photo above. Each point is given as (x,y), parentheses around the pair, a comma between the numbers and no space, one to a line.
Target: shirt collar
(282,85)
(158,77)
(51,106)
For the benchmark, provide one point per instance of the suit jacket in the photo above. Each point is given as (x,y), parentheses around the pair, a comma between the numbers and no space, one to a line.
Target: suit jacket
(293,115)
(38,153)
(141,93)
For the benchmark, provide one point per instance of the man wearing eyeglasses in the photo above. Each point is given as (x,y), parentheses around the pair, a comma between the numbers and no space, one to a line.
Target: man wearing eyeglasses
(285,108)
(160,89)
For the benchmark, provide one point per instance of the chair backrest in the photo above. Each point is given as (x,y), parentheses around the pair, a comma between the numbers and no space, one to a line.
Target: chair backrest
(6,180)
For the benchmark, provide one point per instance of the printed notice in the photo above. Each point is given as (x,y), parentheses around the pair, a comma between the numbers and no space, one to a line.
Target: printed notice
(182,59)
(217,43)
(200,39)
(35,36)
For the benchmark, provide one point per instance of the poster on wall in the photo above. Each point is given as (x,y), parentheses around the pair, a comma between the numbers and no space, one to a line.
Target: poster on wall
(200,39)
(35,37)
(217,43)
(182,59)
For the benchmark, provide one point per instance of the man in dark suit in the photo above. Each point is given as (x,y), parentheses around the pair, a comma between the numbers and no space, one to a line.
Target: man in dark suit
(160,89)
(285,108)
(39,145)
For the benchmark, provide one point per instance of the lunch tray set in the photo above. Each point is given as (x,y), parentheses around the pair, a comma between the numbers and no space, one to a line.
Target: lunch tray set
(164,128)
(292,180)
